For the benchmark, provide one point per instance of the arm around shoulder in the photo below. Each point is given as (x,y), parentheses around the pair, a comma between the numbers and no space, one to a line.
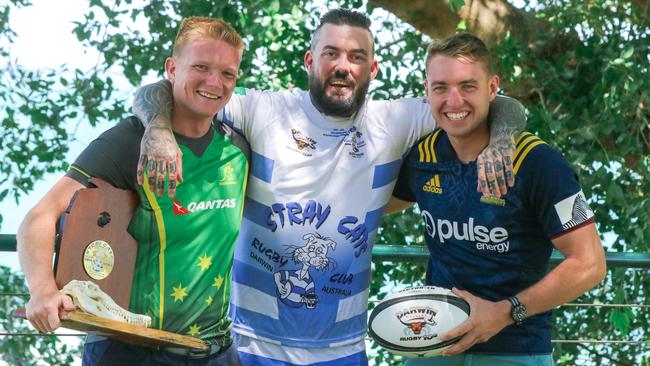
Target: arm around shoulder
(154,100)
(159,152)
(507,117)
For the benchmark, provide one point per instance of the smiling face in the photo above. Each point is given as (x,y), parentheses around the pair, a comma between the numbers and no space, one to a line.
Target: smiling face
(459,91)
(203,74)
(340,65)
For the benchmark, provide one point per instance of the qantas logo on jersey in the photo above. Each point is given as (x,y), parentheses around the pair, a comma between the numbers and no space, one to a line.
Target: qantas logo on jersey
(433,185)
(489,239)
(212,205)
(178,208)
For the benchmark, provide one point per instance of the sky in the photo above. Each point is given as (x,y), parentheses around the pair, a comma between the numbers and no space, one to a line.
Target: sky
(48,45)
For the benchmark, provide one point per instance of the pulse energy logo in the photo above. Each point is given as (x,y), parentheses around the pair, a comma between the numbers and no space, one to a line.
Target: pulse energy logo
(491,239)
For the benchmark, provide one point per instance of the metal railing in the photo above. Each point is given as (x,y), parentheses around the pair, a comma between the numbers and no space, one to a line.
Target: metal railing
(420,254)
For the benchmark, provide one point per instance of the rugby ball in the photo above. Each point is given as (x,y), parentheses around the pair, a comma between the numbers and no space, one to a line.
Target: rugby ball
(410,322)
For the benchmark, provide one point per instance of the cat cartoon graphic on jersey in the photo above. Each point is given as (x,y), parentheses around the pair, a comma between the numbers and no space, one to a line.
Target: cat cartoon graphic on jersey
(296,287)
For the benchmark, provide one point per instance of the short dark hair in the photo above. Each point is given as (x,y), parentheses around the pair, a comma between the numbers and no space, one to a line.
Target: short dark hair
(343,17)
(461,45)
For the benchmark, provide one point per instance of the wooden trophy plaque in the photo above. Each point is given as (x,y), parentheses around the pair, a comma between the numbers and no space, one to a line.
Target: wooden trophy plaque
(92,241)
(93,245)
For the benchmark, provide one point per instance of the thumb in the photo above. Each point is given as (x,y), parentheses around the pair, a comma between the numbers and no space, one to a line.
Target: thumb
(68,304)
(460,293)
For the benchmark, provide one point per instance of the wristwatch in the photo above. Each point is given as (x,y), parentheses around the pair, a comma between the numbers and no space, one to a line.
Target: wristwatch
(518,311)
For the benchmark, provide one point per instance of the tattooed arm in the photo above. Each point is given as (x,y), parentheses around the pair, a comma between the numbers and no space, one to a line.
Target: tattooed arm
(507,119)
(159,152)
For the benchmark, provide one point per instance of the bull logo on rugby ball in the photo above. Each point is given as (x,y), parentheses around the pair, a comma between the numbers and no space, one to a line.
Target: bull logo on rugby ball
(409,322)
(417,319)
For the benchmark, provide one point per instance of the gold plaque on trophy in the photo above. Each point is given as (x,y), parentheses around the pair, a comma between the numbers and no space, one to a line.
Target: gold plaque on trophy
(98,259)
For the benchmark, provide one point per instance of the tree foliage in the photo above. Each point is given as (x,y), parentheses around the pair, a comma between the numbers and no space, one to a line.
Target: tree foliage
(29,348)
(580,66)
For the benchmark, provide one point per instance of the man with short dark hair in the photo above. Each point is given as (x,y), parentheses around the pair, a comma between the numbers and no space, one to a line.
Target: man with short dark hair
(184,261)
(323,168)
(494,251)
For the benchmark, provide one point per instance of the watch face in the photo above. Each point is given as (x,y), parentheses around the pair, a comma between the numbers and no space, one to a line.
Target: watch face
(519,313)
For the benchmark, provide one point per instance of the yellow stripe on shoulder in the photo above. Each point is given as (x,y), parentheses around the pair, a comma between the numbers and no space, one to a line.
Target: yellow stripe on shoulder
(80,171)
(522,136)
(422,149)
(426,148)
(432,146)
(525,142)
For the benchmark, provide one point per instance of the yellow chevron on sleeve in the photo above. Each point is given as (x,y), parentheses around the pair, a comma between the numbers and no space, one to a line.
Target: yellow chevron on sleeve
(525,143)
(426,148)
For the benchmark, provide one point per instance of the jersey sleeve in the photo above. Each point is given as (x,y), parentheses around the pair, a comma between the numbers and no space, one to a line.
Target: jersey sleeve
(402,190)
(554,192)
(112,157)
(409,120)
(238,113)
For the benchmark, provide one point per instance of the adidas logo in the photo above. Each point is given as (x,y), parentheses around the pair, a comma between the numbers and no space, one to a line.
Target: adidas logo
(433,185)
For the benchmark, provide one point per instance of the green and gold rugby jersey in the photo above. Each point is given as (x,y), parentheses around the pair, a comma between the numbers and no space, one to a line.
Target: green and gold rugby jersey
(184,262)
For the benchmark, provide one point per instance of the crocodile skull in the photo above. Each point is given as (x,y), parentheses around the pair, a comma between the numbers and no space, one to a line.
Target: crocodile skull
(89,298)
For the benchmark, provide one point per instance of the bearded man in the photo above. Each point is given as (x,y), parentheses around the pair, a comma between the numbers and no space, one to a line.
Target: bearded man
(324,164)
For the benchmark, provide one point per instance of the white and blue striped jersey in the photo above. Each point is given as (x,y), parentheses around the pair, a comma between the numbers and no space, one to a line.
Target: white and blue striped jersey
(317,189)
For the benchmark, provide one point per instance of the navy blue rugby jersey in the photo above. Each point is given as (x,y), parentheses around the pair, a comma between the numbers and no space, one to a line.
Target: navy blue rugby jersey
(494,247)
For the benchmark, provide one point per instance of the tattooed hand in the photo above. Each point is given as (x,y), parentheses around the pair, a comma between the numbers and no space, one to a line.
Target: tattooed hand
(495,168)
(159,153)
(495,173)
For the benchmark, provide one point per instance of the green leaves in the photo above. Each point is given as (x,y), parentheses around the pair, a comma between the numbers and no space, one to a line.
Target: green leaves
(455,5)
(27,350)
(584,78)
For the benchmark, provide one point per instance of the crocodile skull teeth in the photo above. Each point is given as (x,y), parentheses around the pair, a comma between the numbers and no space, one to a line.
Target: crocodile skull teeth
(89,298)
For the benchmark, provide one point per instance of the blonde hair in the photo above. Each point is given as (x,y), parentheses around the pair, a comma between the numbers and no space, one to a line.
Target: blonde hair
(461,45)
(194,27)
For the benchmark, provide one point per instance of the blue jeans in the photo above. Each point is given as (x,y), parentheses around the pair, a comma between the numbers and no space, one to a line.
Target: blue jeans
(483,360)
(113,353)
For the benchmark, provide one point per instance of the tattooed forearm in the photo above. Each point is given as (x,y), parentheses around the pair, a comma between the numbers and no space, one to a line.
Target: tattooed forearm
(153,104)
(507,118)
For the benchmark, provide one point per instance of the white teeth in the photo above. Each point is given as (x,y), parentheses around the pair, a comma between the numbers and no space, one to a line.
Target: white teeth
(208,95)
(456,116)
(341,84)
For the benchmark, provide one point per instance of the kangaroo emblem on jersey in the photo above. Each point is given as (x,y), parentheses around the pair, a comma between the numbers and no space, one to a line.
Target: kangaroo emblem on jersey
(303,141)
(296,288)
(228,175)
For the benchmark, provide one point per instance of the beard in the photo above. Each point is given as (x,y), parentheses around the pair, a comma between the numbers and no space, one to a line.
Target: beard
(335,106)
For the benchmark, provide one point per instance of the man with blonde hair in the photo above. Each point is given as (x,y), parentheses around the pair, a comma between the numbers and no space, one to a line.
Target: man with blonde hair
(184,262)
